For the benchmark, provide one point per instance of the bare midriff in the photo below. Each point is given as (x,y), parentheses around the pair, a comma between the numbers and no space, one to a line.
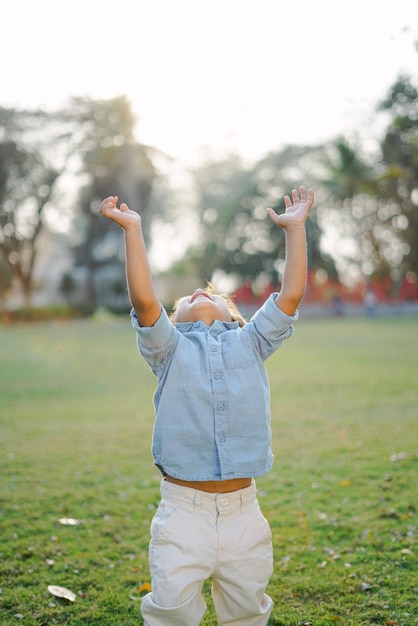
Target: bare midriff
(213,486)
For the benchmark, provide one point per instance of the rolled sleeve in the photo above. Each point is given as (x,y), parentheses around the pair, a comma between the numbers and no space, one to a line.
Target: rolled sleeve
(269,327)
(157,341)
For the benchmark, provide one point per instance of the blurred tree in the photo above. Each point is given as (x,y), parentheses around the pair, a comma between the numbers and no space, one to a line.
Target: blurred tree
(348,173)
(90,141)
(398,183)
(374,203)
(350,207)
(28,175)
(236,235)
(113,163)
(5,280)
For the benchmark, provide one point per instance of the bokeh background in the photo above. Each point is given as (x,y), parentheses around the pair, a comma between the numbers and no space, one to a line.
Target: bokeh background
(200,115)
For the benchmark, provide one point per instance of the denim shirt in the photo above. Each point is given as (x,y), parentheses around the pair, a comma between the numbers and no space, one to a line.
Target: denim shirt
(212,402)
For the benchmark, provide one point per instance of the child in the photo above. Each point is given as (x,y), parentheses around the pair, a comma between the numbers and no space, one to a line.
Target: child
(212,431)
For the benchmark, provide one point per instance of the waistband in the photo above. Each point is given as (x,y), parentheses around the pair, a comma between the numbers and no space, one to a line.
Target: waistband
(195,498)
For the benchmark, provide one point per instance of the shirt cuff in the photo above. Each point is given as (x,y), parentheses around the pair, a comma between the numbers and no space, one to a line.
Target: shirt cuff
(156,335)
(276,315)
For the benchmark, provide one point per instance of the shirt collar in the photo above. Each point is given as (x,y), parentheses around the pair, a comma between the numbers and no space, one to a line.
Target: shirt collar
(216,327)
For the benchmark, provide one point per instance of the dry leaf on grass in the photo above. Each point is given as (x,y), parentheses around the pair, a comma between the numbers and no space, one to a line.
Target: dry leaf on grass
(398,456)
(62,592)
(345,483)
(143,589)
(69,521)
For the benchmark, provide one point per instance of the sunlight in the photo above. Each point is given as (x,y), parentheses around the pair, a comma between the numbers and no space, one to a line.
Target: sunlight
(232,75)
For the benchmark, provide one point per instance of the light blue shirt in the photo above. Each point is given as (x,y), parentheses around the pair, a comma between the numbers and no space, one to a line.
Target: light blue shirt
(212,402)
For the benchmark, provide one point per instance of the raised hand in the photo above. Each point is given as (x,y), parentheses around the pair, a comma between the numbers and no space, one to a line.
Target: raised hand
(124,216)
(297,209)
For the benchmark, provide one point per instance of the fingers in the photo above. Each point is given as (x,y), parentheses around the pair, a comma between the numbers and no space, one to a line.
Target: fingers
(108,204)
(295,198)
(304,198)
(297,209)
(111,200)
(287,202)
(109,208)
(311,197)
(273,216)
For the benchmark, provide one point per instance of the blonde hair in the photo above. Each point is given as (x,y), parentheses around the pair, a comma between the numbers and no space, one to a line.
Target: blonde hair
(232,307)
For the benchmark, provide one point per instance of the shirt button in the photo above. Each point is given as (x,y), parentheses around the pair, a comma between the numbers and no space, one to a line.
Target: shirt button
(224,501)
(214,348)
(217,375)
(222,438)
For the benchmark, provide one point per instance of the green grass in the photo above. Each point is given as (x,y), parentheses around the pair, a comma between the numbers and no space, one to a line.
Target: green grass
(75,431)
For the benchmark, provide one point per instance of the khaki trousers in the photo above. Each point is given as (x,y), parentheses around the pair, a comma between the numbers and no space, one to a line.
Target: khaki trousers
(197,535)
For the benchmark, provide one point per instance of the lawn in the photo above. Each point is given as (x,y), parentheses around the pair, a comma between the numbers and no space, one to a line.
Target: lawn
(75,431)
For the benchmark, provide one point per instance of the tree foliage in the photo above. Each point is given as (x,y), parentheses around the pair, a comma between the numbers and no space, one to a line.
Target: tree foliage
(91,140)
(29,170)
(368,201)
(236,235)
(398,182)
(113,163)
(372,201)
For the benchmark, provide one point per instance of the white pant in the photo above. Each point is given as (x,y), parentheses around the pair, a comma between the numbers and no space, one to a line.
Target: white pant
(196,535)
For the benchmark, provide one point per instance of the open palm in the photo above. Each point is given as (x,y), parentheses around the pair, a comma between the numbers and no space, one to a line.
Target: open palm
(297,209)
(124,216)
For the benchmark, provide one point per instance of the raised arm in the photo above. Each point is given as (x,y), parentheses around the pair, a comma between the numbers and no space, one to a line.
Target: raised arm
(141,289)
(295,267)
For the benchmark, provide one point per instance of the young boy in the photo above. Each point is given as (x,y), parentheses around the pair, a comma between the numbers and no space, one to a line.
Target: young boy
(212,431)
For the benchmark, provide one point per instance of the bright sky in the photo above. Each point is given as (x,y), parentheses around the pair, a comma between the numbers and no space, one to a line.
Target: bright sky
(245,74)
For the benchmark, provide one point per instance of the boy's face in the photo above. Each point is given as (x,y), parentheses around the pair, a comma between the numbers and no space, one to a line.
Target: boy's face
(202,306)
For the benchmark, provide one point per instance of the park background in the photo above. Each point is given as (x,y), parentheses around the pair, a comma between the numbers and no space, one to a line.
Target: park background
(200,115)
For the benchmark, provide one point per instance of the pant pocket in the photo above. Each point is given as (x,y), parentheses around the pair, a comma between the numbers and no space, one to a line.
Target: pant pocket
(163,521)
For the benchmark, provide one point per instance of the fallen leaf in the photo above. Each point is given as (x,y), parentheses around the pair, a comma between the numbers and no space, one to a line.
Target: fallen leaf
(406,516)
(145,587)
(69,521)
(62,592)
(389,514)
(365,533)
(345,483)
(399,456)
